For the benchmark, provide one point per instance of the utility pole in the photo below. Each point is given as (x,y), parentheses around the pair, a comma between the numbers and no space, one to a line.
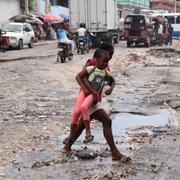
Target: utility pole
(26,6)
(174,6)
(48,6)
(36,5)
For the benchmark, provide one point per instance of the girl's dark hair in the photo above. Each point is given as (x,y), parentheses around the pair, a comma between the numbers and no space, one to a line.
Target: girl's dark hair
(100,52)
(105,46)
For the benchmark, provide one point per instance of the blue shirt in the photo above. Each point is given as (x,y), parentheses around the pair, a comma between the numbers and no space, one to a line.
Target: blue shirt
(62,34)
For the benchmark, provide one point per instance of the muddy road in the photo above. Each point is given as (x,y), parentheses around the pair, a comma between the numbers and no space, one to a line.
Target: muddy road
(36,100)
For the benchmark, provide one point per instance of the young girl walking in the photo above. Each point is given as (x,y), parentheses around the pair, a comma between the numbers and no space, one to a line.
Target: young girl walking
(97,75)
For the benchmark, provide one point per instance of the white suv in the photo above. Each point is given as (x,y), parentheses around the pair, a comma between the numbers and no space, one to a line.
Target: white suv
(19,34)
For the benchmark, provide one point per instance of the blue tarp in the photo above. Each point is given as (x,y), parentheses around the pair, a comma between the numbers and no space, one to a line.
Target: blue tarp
(60,11)
(55,10)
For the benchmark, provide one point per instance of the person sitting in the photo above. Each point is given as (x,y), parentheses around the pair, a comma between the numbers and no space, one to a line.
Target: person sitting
(84,34)
(63,35)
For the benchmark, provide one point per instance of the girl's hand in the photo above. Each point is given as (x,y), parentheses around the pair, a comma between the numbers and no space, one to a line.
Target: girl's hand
(86,92)
(95,99)
(108,91)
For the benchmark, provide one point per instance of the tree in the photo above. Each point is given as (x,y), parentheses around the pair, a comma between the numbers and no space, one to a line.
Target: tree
(26,5)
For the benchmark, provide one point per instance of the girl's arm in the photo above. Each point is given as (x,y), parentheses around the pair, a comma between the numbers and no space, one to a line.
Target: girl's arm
(87,64)
(79,80)
(88,85)
(113,83)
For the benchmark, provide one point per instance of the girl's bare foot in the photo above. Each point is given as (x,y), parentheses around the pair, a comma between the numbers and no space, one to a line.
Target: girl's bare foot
(117,156)
(67,147)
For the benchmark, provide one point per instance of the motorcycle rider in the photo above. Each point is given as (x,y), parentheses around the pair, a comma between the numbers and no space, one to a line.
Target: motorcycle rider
(83,33)
(63,35)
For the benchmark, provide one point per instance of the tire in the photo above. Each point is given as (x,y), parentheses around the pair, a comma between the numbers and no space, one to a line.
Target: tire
(116,40)
(148,43)
(106,37)
(20,44)
(128,44)
(70,57)
(31,44)
(63,59)
(58,58)
(82,51)
(110,38)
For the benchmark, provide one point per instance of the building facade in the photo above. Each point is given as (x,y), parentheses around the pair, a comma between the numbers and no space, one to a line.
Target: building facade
(8,8)
(165,6)
(134,3)
(126,7)
(63,3)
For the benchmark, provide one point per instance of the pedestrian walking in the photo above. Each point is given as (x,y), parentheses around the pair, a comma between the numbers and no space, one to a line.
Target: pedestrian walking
(97,112)
(170,33)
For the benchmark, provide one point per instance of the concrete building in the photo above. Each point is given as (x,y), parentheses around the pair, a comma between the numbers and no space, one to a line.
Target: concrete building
(131,6)
(63,3)
(8,8)
(134,3)
(165,6)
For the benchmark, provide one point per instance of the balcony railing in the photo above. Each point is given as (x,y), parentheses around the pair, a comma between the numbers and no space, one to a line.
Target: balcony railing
(140,3)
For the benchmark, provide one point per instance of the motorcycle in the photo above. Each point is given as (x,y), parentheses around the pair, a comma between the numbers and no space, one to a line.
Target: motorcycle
(4,42)
(64,52)
(82,46)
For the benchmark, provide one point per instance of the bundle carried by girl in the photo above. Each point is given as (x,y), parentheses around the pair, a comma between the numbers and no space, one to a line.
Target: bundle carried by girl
(97,77)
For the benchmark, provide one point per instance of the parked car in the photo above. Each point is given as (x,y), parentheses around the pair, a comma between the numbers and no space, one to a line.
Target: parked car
(19,34)
(138,29)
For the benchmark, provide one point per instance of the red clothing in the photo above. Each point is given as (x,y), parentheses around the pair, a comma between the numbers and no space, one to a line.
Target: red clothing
(67,27)
(164,35)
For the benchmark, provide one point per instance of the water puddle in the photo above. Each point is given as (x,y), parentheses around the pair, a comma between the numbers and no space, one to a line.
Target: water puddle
(47,161)
(123,122)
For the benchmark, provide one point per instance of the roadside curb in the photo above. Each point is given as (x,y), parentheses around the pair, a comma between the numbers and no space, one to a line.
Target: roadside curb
(27,58)
(44,43)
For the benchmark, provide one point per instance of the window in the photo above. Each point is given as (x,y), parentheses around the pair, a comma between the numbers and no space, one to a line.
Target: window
(53,3)
(129,19)
(171,19)
(178,20)
(26,28)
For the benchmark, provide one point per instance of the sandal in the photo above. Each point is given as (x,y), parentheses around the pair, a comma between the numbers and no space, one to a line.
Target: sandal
(88,139)
(123,159)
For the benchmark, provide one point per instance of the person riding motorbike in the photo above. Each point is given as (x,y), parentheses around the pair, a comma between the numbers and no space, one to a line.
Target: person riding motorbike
(84,34)
(63,35)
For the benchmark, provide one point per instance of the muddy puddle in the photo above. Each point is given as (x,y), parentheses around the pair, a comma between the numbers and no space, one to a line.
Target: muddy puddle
(46,160)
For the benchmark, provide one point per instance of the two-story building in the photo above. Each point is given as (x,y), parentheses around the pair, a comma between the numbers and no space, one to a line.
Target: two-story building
(8,8)
(165,6)
(131,6)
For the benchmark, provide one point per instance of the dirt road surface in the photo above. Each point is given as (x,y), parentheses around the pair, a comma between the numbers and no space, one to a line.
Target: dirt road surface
(36,100)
